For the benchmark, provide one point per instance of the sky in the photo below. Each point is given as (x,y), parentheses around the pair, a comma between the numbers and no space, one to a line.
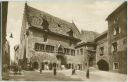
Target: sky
(86,14)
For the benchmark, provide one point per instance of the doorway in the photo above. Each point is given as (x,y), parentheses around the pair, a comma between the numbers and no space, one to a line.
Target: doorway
(103,65)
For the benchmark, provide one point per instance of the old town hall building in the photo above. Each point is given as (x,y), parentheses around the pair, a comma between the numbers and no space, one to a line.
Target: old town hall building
(48,40)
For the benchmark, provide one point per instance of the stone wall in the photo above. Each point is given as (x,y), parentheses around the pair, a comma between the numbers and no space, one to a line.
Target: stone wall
(37,37)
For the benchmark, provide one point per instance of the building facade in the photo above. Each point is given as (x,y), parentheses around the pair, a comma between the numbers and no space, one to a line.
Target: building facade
(48,41)
(102,57)
(117,39)
(111,51)
(87,51)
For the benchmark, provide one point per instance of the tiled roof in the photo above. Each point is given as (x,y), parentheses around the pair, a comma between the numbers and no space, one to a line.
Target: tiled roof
(56,25)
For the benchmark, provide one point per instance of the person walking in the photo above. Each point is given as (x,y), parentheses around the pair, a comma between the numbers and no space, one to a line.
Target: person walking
(87,74)
(54,71)
(40,70)
(20,69)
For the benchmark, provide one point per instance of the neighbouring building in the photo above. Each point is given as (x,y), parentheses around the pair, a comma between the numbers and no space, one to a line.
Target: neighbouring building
(111,50)
(102,56)
(117,39)
(87,51)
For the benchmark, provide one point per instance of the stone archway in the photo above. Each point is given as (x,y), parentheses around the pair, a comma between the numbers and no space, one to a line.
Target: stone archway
(103,65)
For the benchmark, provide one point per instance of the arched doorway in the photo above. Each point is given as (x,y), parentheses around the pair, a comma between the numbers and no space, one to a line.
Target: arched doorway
(103,65)
(35,65)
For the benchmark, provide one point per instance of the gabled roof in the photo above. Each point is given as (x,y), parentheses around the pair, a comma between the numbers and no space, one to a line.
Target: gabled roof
(56,24)
(123,5)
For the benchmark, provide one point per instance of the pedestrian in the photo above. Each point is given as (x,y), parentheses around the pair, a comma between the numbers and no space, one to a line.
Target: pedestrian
(40,70)
(87,74)
(54,71)
(20,69)
(73,71)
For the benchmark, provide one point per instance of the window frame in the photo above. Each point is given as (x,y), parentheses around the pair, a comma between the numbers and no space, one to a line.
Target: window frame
(102,51)
(115,46)
(114,68)
(81,51)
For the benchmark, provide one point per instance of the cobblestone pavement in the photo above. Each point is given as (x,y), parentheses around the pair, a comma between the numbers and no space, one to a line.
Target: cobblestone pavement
(45,76)
(66,75)
(97,75)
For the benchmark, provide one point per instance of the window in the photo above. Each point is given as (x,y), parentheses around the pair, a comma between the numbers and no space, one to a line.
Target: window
(42,47)
(114,46)
(45,37)
(39,47)
(115,65)
(101,51)
(116,30)
(73,52)
(116,26)
(116,20)
(52,48)
(77,52)
(36,47)
(66,50)
(81,51)
(49,48)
